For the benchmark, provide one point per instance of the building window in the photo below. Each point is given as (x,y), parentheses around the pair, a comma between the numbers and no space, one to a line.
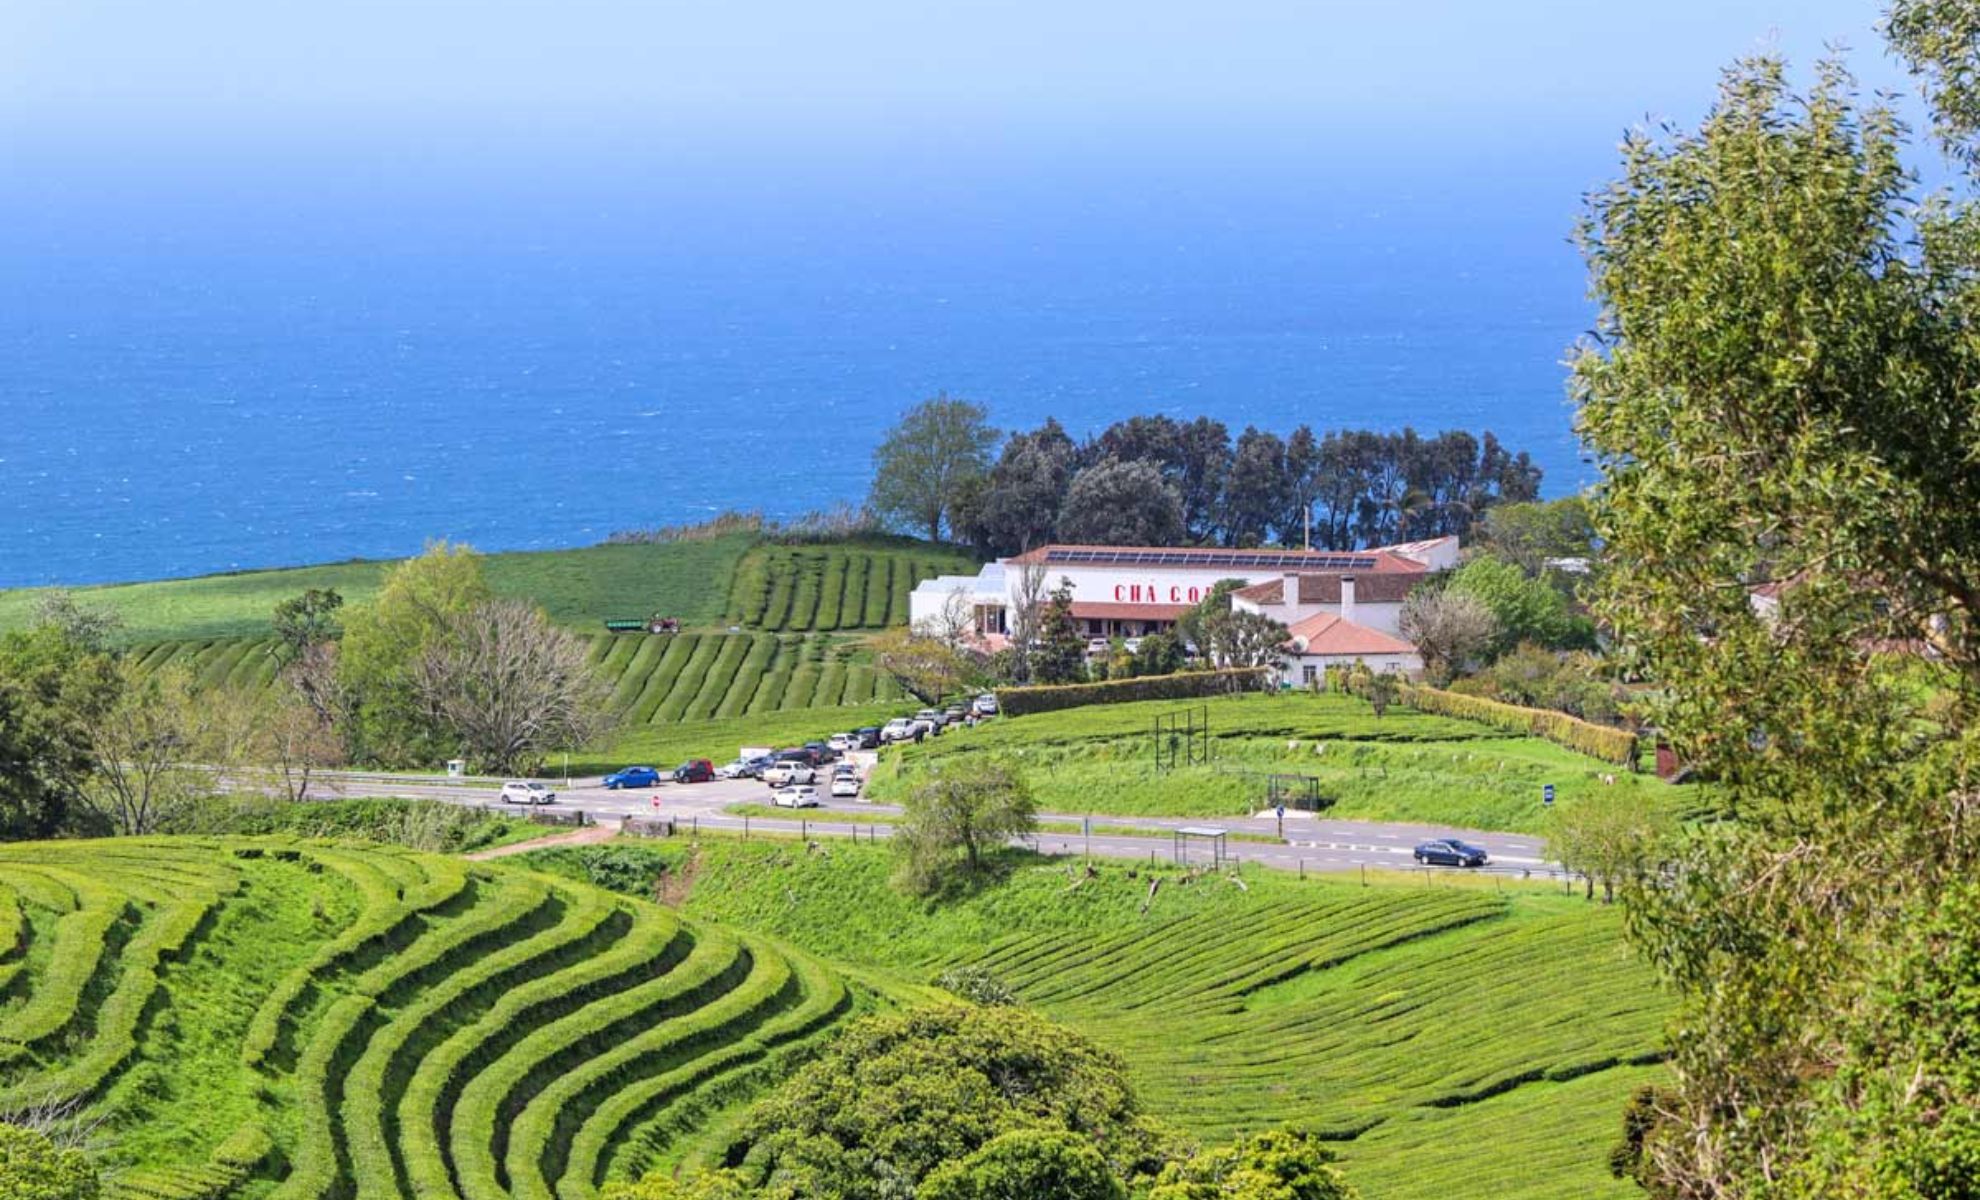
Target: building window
(1309,675)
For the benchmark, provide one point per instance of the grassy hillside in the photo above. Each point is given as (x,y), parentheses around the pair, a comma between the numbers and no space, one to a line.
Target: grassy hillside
(579,587)
(359,1021)
(1497,1032)
(857,586)
(1404,766)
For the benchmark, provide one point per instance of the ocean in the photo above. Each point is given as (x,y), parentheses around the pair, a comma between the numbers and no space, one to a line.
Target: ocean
(210,375)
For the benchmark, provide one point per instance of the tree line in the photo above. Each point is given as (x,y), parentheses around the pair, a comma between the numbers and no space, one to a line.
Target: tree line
(437,667)
(945,473)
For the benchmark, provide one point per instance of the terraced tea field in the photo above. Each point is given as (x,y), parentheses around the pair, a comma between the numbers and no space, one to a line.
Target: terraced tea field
(655,680)
(1497,1033)
(701,677)
(804,588)
(313,1019)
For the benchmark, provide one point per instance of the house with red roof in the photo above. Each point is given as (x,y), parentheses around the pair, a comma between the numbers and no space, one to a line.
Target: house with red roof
(1330,640)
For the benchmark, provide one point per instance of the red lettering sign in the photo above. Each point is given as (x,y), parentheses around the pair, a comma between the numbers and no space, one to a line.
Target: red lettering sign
(1119,588)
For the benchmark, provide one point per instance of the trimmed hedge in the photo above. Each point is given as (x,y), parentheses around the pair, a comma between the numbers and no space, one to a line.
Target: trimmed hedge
(1185,685)
(82,950)
(1605,742)
(493,1098)
(605,1130)
(542,1131)
(113,1041)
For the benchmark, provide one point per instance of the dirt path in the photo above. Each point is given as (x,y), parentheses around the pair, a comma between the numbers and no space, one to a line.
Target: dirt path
(586,836)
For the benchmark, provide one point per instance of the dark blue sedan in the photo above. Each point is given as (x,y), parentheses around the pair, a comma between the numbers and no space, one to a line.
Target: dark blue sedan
(632,777)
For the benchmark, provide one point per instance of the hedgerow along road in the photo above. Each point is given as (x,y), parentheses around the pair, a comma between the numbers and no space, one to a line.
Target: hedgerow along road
(1311,843)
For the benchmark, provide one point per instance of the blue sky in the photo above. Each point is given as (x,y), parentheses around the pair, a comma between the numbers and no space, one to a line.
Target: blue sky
(961,79)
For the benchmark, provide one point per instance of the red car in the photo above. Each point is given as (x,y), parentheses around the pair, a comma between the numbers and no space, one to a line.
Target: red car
(695,770)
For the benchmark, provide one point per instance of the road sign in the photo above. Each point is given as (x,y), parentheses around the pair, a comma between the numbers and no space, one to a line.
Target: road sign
(1547,793)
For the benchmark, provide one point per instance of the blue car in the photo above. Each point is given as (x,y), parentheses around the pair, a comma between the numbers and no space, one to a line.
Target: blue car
(632,777)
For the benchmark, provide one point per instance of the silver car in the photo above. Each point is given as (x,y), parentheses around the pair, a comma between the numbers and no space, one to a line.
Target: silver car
(527,791)
(796,796)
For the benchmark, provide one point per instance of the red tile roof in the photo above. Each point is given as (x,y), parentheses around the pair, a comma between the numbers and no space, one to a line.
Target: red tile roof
(1327,634)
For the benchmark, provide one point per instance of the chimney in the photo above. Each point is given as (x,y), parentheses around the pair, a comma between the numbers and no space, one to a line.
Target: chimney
(1289,596)
(1347,598)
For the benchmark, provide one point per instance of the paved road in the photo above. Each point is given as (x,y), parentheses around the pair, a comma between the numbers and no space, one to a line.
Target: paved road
(1311,843)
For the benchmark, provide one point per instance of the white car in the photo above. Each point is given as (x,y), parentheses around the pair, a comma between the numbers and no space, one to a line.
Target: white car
(788,772)
(844,743)
(986,705)
(845,785)
(527,791)
(734,770)
(796,796)
(900,729)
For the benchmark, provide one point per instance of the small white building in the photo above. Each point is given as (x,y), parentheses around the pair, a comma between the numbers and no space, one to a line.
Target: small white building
(1328,640)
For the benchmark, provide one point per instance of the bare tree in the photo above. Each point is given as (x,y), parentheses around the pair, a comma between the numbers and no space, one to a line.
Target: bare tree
(1027,617)
(509,686)
(299,743)
(1449,629)
(311,675)
(147,747)
(954,624)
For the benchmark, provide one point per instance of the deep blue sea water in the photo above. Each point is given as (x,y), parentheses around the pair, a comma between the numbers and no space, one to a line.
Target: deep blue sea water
(204,377)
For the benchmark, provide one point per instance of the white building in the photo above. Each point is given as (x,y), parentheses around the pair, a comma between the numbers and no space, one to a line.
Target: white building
(1131,591)
(1329,640)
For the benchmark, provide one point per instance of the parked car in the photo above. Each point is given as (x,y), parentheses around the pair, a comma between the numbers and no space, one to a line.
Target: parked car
(1132,645)
(527,791)
(1096,646)
(789,771)
(932,718)
(900,729)
(753,768)
(1450,852)
(695,770)
(954,714)
(803,754)
(986,705)
(796,796)
(630,777)
(845,785)
(845,768)
(869,737)
(823,753)
(843,742)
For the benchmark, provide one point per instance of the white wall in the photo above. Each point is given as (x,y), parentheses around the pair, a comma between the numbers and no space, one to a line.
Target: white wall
(1410,665)
(1385,617)
(1135,585)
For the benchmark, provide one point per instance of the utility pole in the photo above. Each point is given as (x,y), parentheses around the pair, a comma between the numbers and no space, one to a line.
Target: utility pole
(1306,513)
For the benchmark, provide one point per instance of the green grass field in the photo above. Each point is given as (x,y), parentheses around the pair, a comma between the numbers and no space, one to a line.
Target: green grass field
(318,1019)
(1404,766)
(579,587)
(1498,1031)
(855,586)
